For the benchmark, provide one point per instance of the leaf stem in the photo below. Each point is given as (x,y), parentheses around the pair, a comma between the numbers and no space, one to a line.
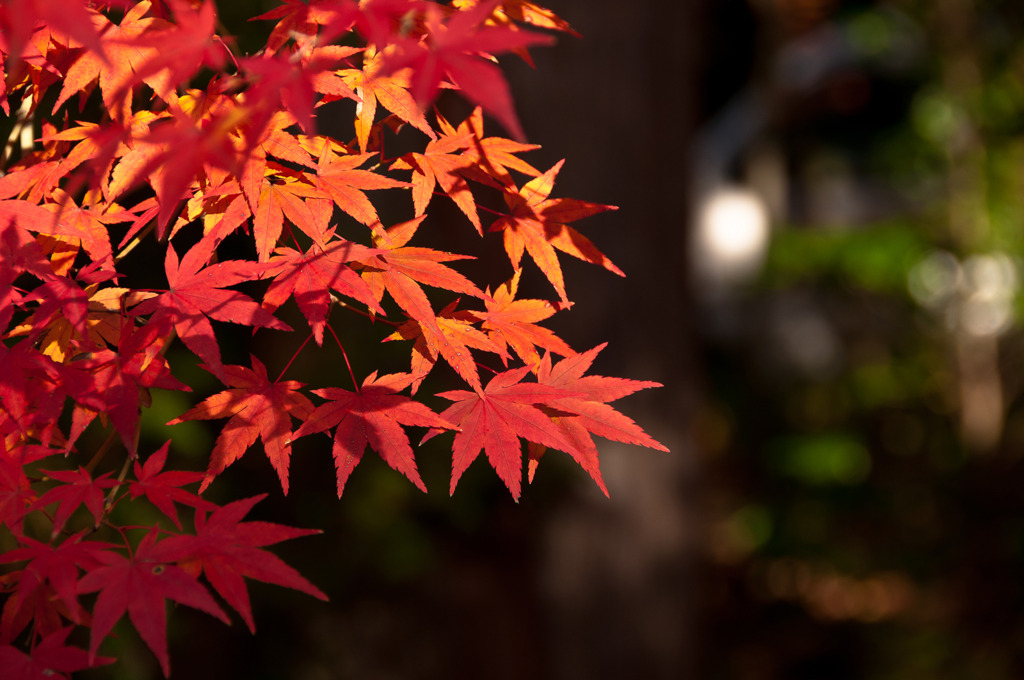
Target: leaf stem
(486,368)
(372,317)
(227,49)
(493,212)
(292,235)
(478,206)
(344,354)
(294,356)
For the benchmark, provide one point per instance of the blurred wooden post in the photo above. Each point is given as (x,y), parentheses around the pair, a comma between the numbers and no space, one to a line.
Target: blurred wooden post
(621,105)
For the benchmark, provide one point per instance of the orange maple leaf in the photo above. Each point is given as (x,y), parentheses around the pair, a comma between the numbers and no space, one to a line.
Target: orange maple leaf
(339,179)
(490,158)
(286,198)
(524,11)
(587,412)
(390,91)
(270,139)
(400,270)
(458,327)
(538,226)
(103,317)
(439,164)
(514,322)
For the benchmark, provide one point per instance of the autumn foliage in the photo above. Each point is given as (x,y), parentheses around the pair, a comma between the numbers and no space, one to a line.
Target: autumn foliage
(136,125)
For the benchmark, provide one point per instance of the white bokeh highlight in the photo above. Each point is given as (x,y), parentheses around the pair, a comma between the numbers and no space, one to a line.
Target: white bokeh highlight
(731,236)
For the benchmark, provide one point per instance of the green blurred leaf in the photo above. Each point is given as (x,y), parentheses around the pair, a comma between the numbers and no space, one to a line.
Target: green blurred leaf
(837,458)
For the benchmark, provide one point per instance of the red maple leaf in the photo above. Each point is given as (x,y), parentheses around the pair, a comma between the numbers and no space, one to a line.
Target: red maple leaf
(587,412)
(525,11)
(78,488)
(111,382)
(178,51)
(42,608)
(79,329)
(277,142)
(96,146)
(80,225)
(31,392)
(124,51)
(56,568)
(311,276)
(196,291)
(300,20)
(263,141)
(375,20)
(495,418)
(454,49)
(163,489)
(177,150)
(88,225)
(16,494)
(226,549)
(140,585)
(59,298)
(32,183)
(20,19)
(420,264)
(538,226)
(292,79)
(49,659)
(256,407)
(373,417)
(19,253)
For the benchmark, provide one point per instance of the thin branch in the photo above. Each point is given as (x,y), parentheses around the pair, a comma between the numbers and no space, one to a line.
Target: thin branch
(108,504)
(101,451)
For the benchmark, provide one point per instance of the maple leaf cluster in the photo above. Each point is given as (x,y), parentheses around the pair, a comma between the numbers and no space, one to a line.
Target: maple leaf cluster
(134,125)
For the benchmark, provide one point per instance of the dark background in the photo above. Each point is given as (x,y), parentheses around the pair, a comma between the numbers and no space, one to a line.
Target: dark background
(842,499)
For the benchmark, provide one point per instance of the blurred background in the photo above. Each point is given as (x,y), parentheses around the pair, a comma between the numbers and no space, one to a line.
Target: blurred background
(821,206)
